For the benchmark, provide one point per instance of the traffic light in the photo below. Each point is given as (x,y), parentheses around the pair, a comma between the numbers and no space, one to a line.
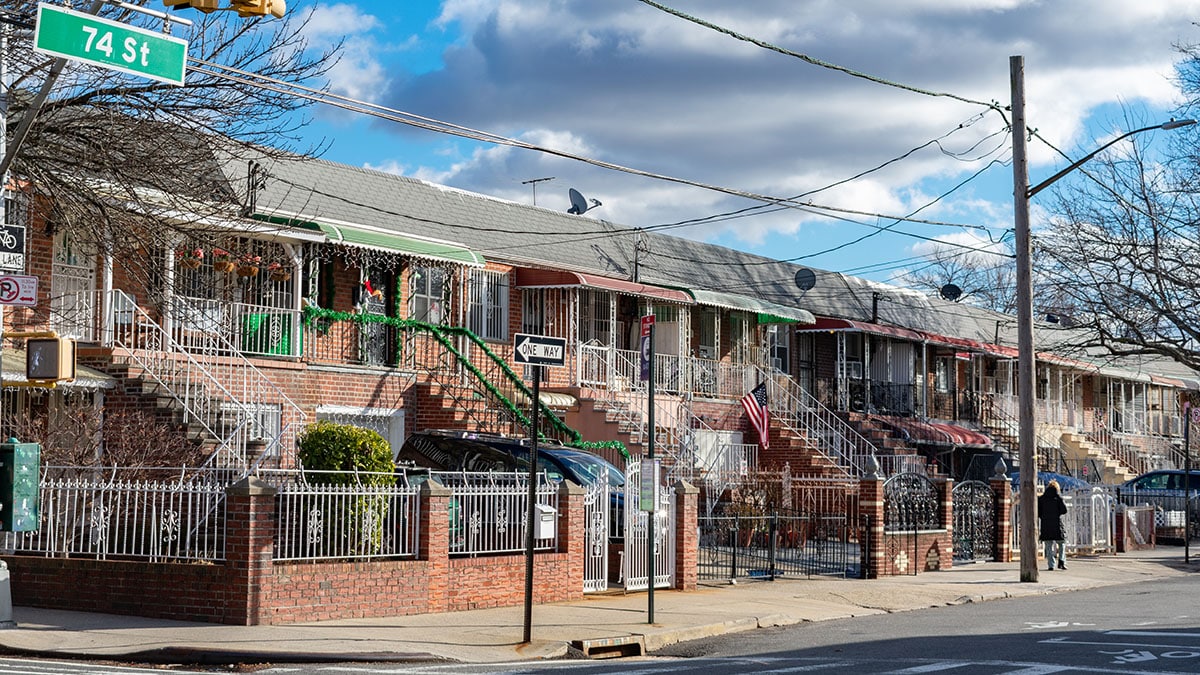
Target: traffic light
(50,359)
(275,8)
(202,5)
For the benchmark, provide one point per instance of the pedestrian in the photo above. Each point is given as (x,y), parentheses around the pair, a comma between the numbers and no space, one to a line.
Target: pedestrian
(1050,510)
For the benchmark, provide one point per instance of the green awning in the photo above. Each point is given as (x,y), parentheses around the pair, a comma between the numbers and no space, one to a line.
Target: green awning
(765,310)
(379,240)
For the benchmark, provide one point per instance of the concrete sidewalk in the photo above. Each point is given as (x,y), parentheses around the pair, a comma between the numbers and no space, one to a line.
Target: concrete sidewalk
(597,625)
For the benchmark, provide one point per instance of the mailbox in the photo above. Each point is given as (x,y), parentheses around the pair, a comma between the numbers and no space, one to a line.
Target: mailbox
(544,521)
(19,467)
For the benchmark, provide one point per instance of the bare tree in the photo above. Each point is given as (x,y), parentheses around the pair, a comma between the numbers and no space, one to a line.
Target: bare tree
(1122,252)
(129,165)
(985,281)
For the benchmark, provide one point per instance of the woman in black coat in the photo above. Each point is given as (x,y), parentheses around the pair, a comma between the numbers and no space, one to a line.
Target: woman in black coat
(1050,509)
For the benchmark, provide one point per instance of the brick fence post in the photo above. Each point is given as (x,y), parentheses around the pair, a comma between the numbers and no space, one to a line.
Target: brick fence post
(946,553)
(870,504)
(687,543)
(433,542)
(572,534)
(1002,489)
(249,551)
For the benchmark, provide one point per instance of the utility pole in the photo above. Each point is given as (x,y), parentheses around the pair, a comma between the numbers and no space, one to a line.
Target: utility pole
(1026,362)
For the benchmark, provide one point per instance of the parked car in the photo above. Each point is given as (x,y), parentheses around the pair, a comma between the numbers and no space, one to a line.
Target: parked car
(1173,493)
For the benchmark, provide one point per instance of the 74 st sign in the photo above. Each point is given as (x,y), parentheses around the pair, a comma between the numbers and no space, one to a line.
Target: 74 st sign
(84,37)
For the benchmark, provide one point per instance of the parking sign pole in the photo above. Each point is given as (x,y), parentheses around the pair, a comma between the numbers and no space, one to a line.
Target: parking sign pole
(1188,412)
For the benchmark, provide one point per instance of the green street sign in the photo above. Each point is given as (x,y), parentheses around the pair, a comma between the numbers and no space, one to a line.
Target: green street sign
(84,37)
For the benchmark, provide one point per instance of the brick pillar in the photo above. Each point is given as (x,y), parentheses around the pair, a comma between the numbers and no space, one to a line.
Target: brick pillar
(946,553)
(687,536)
(433,543)
(870,505)
(249,552)
(572,534)
(1002,488)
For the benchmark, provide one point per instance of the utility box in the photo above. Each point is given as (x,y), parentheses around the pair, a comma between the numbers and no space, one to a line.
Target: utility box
(544,520)
(19,468)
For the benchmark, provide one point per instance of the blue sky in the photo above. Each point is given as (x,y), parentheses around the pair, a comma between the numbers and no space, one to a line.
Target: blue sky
(627,83)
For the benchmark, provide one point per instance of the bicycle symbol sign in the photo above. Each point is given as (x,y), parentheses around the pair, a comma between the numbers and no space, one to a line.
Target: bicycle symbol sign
(12,247)
(18,290)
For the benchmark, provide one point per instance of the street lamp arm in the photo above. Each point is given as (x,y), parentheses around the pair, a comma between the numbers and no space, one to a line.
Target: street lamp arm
(1173,124)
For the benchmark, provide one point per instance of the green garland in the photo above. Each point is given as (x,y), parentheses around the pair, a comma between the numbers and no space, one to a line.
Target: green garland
(312,314)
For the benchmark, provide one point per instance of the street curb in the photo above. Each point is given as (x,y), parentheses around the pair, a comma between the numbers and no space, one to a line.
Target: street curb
(226,657)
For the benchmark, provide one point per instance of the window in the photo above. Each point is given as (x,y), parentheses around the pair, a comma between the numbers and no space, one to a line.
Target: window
(487,309)
(778,339)
(428,292)
(387,422)
(943,375)
(595,317)
(740,332)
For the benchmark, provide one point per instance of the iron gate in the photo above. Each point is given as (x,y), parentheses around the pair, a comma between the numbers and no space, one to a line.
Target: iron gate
(597,515)
(634,563)
(974,521)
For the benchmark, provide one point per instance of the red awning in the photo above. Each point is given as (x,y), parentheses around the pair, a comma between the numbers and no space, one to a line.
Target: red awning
(528,277)
(827,324)
(921,432)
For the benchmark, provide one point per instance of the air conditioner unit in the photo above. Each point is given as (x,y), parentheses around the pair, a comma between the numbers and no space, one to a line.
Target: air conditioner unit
(777,364)
(707,351)
(853,370)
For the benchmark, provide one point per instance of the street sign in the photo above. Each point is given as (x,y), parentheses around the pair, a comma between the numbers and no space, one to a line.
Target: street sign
(540,350)
(12,247)
(113,45)
(18,290)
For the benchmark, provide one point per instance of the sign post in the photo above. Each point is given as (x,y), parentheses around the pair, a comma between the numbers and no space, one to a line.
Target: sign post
(538,351)
(647,351)
(75,35)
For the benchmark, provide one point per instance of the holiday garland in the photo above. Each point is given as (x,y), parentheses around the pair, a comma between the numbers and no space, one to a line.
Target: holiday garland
(312,314)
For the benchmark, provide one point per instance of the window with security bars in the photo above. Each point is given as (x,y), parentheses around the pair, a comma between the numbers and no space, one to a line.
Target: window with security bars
(595,317)
(387,422)
(741,332)
(487,309)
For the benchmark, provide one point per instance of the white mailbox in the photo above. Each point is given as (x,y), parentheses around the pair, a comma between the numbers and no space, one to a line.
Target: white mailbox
(543,521)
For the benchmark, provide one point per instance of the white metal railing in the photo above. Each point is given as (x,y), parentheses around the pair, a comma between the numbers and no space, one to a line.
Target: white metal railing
(491,518)
(206,325)
(91,513)
(231,399)
(805,416)
(635,573)
(315,521)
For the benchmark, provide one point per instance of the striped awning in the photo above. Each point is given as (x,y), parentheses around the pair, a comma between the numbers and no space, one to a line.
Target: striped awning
(378,239)
(528,277)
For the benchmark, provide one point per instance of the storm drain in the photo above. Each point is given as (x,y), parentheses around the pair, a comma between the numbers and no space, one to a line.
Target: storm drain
(611,648)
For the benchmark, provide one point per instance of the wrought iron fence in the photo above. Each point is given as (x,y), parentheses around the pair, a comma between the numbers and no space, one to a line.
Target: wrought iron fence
(788,544)
(315,521)
(974,521)
(488,513)
(96,513)
(911,503)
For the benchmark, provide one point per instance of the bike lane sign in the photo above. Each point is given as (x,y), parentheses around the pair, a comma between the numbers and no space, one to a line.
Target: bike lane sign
(12,247)
(18,290)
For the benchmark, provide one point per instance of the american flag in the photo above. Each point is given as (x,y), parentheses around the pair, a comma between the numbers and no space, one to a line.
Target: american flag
(755,404)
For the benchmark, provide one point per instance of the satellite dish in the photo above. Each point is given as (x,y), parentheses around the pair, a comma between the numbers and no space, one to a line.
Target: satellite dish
(805,279)
(951,292)
(579,205)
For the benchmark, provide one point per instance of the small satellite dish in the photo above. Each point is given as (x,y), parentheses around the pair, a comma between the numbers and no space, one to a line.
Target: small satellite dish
(579,205)
(805,279)
(951,292)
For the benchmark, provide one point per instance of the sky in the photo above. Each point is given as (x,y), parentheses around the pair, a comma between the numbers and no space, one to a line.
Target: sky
(901,120)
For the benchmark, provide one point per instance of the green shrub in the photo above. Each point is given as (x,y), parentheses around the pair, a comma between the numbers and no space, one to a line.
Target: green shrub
(360,457)
(328,446)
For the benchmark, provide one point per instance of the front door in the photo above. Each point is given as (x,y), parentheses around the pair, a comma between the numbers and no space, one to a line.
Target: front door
(73,296)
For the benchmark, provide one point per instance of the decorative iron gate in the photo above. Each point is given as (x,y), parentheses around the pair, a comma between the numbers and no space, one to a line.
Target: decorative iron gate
(974,521)
(910,504)
(634,570)
(597,511)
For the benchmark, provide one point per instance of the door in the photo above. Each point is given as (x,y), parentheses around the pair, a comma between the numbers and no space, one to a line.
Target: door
(73,294)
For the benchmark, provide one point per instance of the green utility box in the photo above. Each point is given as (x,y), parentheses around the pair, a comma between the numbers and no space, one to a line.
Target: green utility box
(19,465)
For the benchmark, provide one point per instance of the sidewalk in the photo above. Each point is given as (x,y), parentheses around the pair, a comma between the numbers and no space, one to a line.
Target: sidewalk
(597,625)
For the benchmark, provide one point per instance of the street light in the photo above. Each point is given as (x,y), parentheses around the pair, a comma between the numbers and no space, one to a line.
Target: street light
(1025,354)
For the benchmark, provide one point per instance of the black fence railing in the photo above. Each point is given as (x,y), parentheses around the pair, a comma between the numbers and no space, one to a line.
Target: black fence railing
(788,545)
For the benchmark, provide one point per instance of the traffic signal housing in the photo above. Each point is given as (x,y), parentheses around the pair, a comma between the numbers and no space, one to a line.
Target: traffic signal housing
(49,359)
(205,6)
(275,8)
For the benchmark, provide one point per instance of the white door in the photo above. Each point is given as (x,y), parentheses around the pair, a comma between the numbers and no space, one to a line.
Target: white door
(73,296)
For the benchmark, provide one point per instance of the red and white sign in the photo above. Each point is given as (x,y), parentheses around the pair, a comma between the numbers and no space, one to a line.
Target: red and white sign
(18,290)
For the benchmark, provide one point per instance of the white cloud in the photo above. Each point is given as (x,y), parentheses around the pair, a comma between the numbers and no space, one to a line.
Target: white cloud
(628,84)
(358,73)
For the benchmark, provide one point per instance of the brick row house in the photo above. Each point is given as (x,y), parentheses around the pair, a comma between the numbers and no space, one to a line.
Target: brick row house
(335,292)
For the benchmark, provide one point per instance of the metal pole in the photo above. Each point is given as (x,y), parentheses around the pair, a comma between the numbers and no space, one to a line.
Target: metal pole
(652,517)
(1187,481)
(530,514)
(1026,362)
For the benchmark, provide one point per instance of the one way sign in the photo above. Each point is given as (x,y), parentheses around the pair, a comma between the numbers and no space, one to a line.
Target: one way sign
(540,350)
